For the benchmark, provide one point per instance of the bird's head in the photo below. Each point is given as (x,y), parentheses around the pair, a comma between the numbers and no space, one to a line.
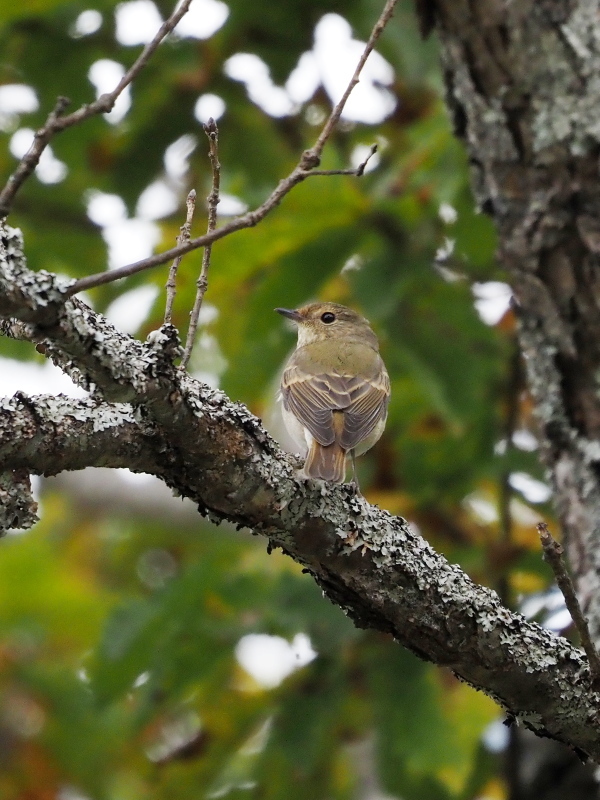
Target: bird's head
(319,321)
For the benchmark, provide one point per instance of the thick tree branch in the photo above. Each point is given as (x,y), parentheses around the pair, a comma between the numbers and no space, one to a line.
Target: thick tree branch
(81,341)
(61,433)
(384,575)
(214,451)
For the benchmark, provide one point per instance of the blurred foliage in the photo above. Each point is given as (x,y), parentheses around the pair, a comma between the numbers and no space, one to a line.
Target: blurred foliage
(118,673)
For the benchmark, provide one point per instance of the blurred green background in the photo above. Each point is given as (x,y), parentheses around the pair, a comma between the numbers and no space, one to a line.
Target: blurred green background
(123,623)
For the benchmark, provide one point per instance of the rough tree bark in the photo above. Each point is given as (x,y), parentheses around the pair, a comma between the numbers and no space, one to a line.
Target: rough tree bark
(523,82)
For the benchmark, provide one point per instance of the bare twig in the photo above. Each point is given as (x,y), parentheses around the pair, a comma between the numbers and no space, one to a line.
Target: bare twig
(212,132)
(305,168)
(553,553)
(184,236)
(32,157)
(57,123)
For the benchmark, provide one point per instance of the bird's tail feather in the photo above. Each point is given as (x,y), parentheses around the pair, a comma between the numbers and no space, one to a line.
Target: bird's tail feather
(326,462)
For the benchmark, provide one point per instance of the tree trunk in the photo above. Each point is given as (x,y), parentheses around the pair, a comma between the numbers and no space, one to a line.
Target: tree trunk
(523,84)
(523,89)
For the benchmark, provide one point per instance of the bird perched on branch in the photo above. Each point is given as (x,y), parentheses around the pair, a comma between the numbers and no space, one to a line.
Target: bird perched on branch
(335,388)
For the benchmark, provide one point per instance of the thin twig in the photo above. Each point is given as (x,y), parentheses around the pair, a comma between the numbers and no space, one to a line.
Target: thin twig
(358,172)
(184,236)
(553,552)
(305,168)
(32,157)
(57,123)
(212,132)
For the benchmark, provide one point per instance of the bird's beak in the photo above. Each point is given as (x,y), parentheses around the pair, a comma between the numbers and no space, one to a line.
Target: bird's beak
(290,313)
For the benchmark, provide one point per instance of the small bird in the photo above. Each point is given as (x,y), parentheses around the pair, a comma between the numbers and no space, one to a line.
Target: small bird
(335,388)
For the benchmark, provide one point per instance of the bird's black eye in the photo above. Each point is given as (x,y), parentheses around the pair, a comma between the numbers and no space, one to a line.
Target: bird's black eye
(328,318)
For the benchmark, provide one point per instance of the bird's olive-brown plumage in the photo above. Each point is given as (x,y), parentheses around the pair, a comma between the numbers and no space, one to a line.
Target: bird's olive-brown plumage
(335,388)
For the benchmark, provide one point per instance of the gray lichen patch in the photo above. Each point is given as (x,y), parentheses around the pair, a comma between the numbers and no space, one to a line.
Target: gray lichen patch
(566,67)
(24,293)
(18,509)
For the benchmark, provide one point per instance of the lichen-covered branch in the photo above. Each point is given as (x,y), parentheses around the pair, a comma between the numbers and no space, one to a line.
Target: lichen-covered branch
(79,338)
(382,574)
(147,415)
(47,434)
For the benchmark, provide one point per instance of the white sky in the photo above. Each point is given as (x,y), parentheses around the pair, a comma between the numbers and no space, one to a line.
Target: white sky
(270,659)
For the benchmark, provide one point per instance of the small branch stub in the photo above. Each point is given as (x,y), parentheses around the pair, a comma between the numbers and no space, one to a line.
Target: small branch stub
(361,167)
(553,554)
(358,172)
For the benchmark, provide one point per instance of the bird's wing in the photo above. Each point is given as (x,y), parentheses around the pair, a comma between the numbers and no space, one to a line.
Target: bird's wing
(313,398)
(369,397)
